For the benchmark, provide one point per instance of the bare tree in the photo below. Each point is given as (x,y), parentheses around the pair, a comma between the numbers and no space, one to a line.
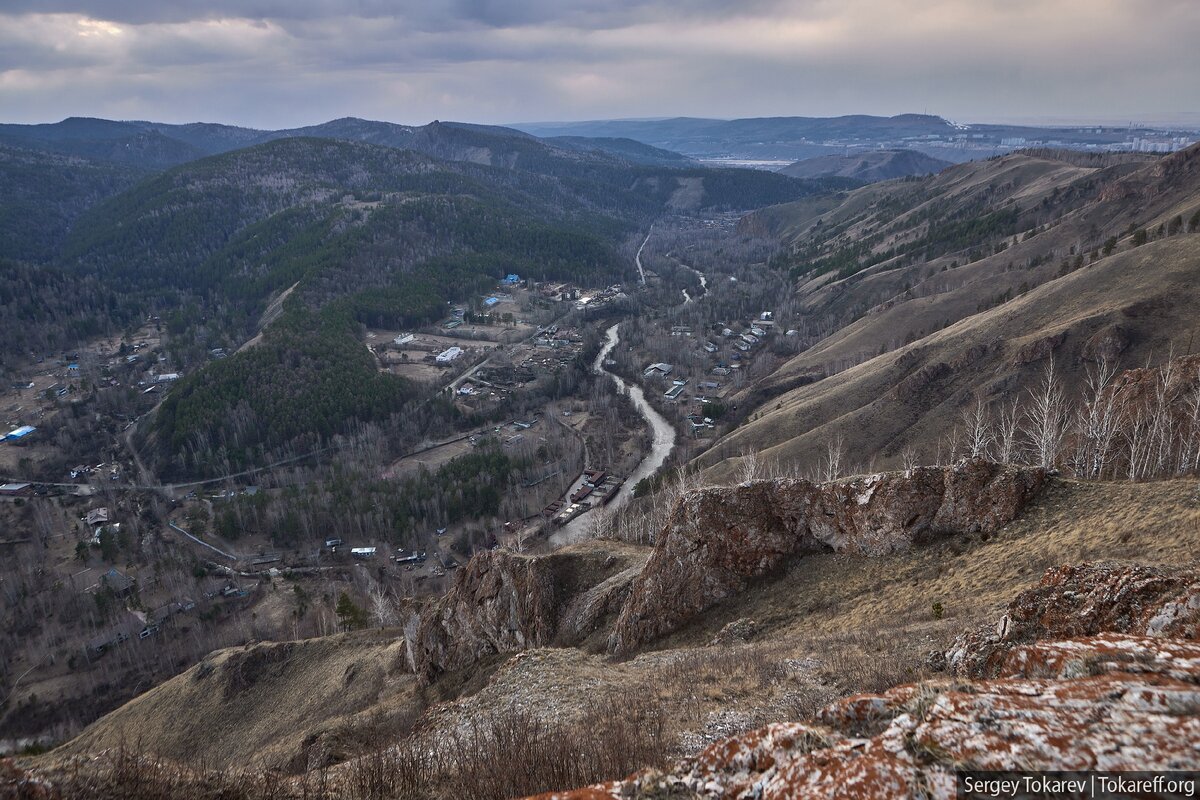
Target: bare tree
(835,453)
(977,423)
(1162,420)
(1097,423)
(750,467)
(1046,419)
(382,607)
(1008,428)
(908,459)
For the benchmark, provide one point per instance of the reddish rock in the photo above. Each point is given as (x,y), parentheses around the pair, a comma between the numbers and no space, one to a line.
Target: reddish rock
(718,540)
(1136,707)
(1075,601)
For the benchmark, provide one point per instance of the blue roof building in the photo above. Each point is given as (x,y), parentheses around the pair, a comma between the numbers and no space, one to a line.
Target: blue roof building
(19,433)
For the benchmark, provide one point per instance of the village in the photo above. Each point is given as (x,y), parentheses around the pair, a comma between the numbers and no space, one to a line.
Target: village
(162,579)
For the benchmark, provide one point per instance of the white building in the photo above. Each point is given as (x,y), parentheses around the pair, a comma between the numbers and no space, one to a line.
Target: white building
(448,355)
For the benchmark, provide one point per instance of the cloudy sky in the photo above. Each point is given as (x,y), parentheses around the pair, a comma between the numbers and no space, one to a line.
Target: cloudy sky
(281,63)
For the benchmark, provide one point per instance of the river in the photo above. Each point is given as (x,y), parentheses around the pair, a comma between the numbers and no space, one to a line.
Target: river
(664,441)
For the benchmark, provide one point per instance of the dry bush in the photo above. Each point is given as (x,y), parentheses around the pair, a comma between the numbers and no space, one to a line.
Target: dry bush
(495,756)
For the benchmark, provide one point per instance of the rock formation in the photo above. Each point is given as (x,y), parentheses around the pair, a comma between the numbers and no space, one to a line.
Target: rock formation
(504,602)
(1076,601)
(718,540)
(1124,699)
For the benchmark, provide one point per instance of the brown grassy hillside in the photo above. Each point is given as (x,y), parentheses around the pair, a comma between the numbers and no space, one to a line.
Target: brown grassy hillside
(898,346)
(914,396)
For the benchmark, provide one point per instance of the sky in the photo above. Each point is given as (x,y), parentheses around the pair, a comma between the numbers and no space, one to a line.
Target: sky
(285,63)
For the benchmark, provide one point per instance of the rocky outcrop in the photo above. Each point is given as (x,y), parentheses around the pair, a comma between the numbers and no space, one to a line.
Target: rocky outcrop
(500,602)
(718,540)
(1085,600)
(1123,700)
(505,602)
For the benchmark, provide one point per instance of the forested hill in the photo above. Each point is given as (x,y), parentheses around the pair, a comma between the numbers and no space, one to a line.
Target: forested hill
(367,234)
(243,224)
(43,194)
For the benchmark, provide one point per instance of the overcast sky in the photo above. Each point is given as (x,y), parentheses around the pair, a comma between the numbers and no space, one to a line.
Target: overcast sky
(283,63)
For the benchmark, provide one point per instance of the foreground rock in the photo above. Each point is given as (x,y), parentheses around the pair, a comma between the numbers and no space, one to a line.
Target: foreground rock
(718,540)
(1074,601)
(1119,700)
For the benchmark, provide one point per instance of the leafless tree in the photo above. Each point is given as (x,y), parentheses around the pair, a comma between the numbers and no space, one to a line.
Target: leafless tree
(382,607)
(1046,419)
(1008,428)
(908,459)
(1097,423)
(750,467)
(835,453)
(1162,425)
(977,424)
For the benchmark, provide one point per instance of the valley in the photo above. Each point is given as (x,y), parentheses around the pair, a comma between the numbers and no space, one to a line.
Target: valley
(382,448)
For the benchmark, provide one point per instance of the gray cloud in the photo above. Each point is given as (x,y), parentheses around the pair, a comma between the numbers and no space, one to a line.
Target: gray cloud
(273,63)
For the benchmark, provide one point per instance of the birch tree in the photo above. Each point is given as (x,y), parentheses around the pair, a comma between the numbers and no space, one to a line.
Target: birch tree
(977,423)
(1046,419)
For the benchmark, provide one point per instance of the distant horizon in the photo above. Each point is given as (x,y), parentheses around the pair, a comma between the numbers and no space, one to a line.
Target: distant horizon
(1178,120)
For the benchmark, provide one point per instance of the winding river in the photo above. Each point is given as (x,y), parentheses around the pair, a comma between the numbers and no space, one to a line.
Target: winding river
(664,441)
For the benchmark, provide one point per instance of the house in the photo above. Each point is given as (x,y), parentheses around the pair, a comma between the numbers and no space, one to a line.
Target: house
(792,332)
(709,385)
(757,331)
(709,347)
(404,339)
(674,392)
(19,435)
(659,369)
(166,377)
(594,477)
(362,552)
(749,338)
(720,370)
(726,332)
(97,516)
(491,301)
(741,345)
(767,316)
(15,489)
(681,330)
(448,355)
(118,582)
